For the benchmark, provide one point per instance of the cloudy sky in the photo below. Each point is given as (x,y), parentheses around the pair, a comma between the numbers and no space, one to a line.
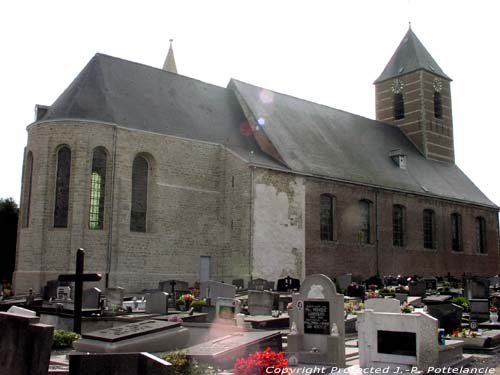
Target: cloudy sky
(325,51)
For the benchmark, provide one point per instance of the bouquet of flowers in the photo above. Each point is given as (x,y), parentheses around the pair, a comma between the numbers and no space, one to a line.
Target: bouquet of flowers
(261,363)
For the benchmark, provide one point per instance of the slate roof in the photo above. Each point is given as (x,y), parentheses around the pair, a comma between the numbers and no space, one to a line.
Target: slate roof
(411,55)
(319,140)
(141,97)
(311,138)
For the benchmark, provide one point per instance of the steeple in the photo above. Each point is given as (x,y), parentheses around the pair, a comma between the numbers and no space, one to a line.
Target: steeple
(169,64)
(413,93)
(410,56)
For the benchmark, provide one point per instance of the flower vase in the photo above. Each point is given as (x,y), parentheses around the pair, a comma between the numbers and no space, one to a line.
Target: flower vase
(494,317)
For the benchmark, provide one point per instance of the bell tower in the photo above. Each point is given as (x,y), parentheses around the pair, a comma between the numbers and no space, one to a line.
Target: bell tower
(413,93)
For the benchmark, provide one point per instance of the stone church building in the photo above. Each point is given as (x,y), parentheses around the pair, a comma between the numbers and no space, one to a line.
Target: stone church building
(160,176)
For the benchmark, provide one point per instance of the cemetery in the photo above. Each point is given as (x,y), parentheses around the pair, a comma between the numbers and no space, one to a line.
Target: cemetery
(396,323)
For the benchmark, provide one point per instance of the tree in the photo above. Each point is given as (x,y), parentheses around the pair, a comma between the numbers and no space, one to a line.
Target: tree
(9,213)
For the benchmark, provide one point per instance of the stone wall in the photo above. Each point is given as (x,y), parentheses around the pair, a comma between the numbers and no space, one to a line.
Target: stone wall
(197,192)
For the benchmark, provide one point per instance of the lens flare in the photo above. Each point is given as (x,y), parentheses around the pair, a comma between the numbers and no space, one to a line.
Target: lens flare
(266,96)
(261,121)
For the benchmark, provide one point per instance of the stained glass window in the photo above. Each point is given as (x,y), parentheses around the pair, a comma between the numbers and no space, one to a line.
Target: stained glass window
(63,174)
(97,189)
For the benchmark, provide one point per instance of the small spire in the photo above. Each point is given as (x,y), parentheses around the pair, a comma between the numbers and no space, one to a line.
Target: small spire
(409,25)
(169,64)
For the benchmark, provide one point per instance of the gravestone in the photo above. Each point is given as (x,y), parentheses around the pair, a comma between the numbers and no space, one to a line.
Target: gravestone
(50,289)
(262,302)
(92,298)
(118,363)
(430,283)
(226,308)
(403,343)
(417,288)
(477,288)
(287,284)
(343,281)
(260,284)
(114,298)
(390,305)
(479,309)
(214,289)
(494,281)
(166,286)
(390,281)
(317,330)
(157,303)
(79,278)
(448,314)
(147,335)
(356,290)
(16,310)
(239,284)
(25,345)
(63,293)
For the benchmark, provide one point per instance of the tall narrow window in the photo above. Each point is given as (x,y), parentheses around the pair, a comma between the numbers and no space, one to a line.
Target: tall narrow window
(365,216)
(327,207)
(438,105)
(26,203)
(456,232)
(399,106)
(481,235)
(398,222)
(97,189)
(429,226)
(138,213)
(63,173)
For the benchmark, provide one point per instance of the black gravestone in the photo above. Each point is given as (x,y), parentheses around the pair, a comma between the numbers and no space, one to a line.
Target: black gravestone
(317,317)
(287,284)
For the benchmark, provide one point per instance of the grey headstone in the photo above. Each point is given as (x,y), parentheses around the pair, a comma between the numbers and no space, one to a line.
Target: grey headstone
(157,303)
(63,293)
(317,321)
(344,281)
(114,297)
(477,288)
(25,345)
(227,308)
(239,283)
(262,302)
(166,286)
(479,309)
(389,305)
(430,283)
(494,281)
(91,298)
(16,310)
(260,284)
(214,289)
(118,363)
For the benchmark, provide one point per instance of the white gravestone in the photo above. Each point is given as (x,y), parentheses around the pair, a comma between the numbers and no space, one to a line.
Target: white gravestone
(390,305)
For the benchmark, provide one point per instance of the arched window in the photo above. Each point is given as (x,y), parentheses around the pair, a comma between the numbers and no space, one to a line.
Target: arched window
(140,170)
(327,211)
(365,208)
(399,106)
(456,232)
(63,173)
(438,105)
(97,189)
(398,225)
(429,225)
(481,235)
(26,203)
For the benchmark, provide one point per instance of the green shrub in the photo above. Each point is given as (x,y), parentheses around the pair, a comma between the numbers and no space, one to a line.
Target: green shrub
(179,362)
(64,339)
(197,305)
(461,301)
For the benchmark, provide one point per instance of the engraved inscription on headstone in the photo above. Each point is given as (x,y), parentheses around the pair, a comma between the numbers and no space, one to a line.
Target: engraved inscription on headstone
(317,317)
(131,330)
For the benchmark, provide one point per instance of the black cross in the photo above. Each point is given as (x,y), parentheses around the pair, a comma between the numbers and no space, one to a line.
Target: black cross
(79,278)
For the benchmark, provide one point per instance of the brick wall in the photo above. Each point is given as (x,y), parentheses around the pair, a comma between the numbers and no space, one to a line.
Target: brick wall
(346,254)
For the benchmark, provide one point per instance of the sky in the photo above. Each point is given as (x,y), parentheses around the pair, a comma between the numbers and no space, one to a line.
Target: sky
(328,52)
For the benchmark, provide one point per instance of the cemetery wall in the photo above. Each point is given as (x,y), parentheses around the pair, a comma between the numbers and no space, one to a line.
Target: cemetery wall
(191,202)
(346,253)
(278,243)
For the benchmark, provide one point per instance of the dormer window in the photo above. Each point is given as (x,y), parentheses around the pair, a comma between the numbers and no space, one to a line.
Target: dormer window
(399,158)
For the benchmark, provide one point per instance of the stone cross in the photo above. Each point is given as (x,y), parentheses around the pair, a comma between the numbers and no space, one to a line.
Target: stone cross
(79,277)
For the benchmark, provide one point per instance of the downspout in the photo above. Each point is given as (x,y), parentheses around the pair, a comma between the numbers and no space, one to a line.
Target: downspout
(376,235)
(250,249)
(111,216)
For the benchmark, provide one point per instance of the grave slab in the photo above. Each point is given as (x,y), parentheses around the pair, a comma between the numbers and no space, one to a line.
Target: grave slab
(148,335)
(224,351)
(390,305)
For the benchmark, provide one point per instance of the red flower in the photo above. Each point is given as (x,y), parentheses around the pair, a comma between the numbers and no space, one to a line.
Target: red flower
(258,362)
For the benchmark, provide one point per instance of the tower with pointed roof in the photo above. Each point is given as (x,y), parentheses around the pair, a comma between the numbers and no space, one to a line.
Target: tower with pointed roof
(169,64)
(413,93)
